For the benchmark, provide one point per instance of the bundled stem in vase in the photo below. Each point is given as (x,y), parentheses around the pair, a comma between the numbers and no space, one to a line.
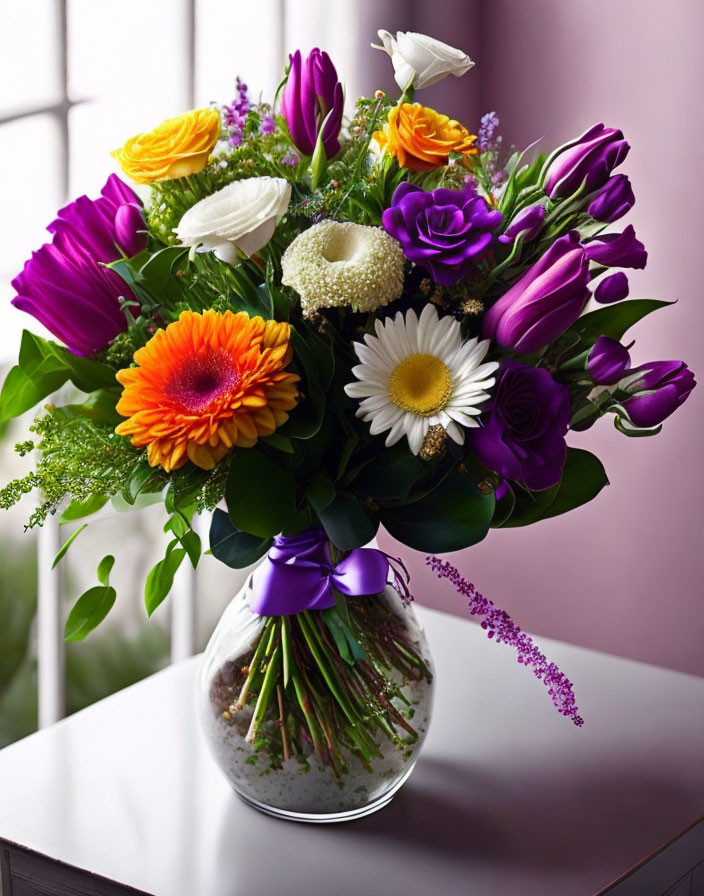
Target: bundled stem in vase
(296,693)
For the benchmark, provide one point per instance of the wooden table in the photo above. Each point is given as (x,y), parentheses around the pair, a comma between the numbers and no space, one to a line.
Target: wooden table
(507,798)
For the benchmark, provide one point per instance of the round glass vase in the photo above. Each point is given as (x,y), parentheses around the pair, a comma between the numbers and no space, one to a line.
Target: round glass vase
(308,723)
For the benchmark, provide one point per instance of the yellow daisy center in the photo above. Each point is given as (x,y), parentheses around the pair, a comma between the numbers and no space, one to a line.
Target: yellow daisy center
(420,384)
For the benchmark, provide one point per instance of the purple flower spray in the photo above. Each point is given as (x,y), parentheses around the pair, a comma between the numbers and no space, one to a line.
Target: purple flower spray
(499,625)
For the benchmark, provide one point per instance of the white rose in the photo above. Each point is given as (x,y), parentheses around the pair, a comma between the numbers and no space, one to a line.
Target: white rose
(243,215)
(428,59)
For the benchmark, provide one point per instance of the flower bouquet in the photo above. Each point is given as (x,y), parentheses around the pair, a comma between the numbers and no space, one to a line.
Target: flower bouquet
(314,325)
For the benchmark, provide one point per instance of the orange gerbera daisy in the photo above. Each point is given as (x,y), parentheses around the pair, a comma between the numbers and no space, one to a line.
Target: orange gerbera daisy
(206,383)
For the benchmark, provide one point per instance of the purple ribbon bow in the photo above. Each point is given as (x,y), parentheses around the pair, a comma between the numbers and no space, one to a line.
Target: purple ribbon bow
(298,574)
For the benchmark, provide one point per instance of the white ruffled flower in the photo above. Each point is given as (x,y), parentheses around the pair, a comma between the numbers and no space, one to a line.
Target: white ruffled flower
(418,55)
(335,263)
(416,373)
(241,216)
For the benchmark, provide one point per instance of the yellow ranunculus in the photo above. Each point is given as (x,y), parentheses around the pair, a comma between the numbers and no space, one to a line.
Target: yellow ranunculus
(175,148)
(422,139)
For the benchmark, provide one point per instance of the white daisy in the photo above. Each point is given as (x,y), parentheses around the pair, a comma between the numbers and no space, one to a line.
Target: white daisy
(417,372)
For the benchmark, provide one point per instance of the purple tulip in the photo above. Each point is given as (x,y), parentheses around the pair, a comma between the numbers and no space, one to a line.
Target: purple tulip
(445,231)
(65,284)
(546,300)
(617,250)
(589,160)
(523,433)
(313,96)
(608,361)
(527,223)
(612,288)
(613,200)
(659,390)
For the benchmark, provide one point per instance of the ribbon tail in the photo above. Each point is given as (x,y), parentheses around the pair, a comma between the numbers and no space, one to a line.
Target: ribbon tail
(363,571)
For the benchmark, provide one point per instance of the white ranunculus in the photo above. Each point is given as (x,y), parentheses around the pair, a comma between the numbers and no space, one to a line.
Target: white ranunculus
(428,59)
(243,215)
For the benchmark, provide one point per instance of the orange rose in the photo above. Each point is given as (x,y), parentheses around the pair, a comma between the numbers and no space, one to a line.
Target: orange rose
(175,148)
(421,139)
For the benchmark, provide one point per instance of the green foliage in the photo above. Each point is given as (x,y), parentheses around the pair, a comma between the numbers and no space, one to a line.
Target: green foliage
(81,460)
(583,477)
(261,495)
(232,547)
(161,577)
(42,368)
(614,320)
(348,524)
(63,550)
(452,516)
(93,605)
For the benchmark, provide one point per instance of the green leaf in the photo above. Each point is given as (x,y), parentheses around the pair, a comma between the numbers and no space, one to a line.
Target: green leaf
(281,443)
(232,547)
(89,611)
(35,377)
(306,419)
(43,368)
(260,494)
(142,479)
(319,161)
(614,320)
(189,540)
(391,475)
(583,477)
(63,550)
(77,509)
(161,577)
(105,568)
(320,492)
(348,525)
(348,646)
(99,406)
(530,507)
(453,516)
(503,509)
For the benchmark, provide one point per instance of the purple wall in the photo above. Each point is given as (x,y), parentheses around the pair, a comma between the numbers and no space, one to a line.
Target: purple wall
(623,573)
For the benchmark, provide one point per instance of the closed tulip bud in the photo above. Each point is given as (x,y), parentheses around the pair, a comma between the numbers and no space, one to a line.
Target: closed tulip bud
(546,300)
(617,250)
(312,99)
(608,361)
(612,288)
(613,201)
(658,391)
(589,160)
(527,223)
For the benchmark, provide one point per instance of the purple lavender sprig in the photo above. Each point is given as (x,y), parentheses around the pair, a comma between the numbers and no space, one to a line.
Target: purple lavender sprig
(488,126)
(499,624)
(235,115)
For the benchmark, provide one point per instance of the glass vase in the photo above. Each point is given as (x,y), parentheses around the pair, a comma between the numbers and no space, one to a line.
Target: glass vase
(305,724)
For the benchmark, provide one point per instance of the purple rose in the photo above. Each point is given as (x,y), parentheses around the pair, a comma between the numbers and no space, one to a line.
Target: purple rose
(608,361)
(523,433)
(65,284)
(527,223)
(546,300)
(613,200)
(444,231)
(658,391)
(611,289)
(312,98)
(589,160)
(617,250)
